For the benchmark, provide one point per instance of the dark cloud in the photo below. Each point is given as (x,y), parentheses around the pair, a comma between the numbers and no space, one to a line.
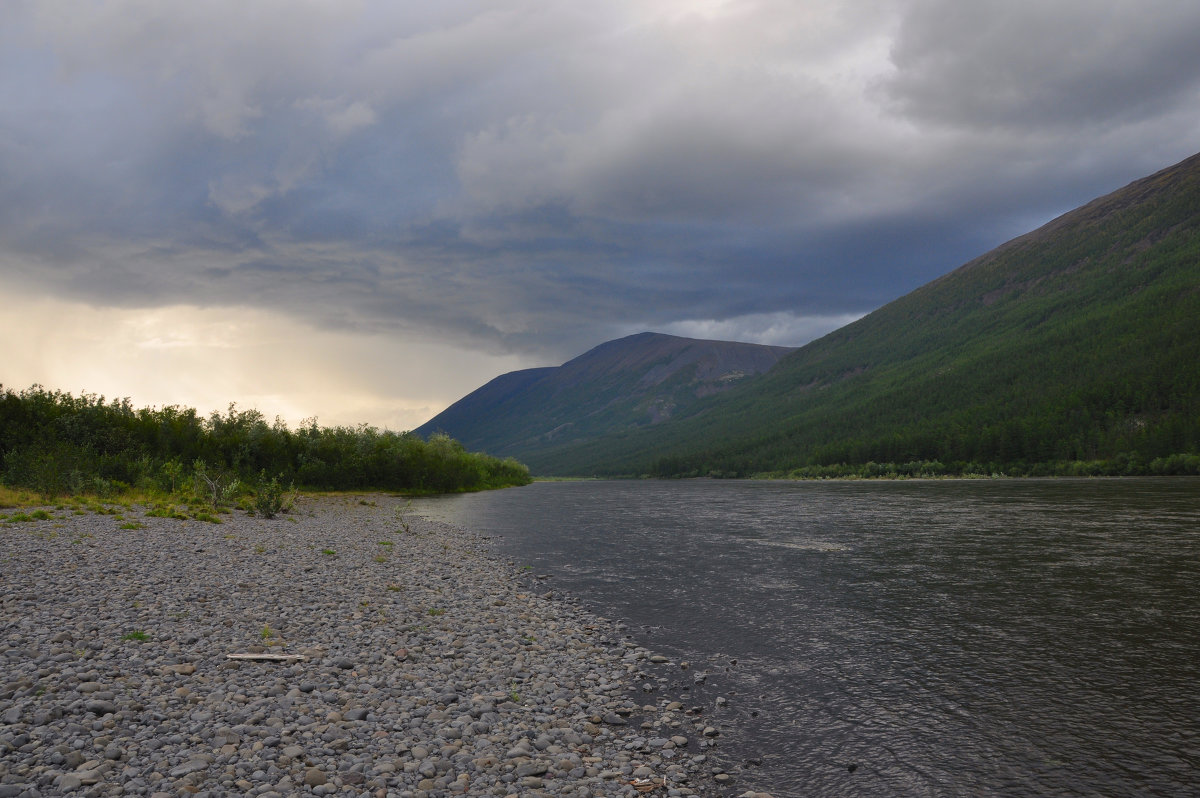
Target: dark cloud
(1073,64)
(541,175)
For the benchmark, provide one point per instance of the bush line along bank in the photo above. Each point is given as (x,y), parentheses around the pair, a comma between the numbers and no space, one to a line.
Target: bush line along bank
(57,444)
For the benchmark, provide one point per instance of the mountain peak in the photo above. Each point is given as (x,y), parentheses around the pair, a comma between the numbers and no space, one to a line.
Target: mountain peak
(619,386)
(1069,350)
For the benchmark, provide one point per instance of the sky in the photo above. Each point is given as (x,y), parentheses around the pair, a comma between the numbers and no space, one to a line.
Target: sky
(361,211)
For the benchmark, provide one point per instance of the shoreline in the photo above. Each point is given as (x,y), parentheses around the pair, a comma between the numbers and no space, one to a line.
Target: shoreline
(431,667)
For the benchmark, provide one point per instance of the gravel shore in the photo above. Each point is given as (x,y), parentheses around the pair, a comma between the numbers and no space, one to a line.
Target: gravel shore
(430,667)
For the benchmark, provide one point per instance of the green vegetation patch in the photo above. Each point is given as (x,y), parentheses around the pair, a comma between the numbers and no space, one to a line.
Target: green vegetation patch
(55,444)
(167,511)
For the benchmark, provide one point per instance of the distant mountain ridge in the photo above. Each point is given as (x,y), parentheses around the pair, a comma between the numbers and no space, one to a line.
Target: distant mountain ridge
(1073,349)
(620,386)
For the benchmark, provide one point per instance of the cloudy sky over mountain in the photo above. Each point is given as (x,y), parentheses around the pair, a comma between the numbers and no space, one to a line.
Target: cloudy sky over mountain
(363,210)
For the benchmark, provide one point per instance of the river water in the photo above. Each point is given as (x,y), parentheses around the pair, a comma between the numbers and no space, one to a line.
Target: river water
(908,638)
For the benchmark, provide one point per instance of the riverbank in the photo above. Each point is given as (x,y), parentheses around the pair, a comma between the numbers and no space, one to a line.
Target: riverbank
(407,661)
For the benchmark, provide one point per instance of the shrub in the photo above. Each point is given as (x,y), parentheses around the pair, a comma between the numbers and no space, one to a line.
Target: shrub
(271,498)
(171,471)
(218,488)
(54,443)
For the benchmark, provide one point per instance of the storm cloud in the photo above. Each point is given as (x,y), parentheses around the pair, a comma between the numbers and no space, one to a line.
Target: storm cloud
(527,179)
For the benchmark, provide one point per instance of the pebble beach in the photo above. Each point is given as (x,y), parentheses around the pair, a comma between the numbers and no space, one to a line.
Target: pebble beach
(344,648)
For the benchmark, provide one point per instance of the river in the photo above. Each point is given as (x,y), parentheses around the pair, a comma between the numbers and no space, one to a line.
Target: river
(906,638)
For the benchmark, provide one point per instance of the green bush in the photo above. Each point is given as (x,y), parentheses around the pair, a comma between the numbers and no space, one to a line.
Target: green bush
(271,498)
(56,444)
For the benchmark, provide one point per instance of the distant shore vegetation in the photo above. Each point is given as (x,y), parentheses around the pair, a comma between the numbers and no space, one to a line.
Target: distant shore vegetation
(1123,465)
(57,444)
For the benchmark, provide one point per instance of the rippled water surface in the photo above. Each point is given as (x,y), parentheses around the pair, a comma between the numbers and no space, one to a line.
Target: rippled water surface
(899,638)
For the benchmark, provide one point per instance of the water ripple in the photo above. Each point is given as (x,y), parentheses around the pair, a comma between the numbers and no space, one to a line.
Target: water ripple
(904,638)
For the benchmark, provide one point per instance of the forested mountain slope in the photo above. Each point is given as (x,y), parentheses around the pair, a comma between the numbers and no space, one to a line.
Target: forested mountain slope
(1072,349)
(620,386)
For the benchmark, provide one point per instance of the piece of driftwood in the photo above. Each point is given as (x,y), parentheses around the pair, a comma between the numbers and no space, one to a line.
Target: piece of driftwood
(268,657)
(647,785)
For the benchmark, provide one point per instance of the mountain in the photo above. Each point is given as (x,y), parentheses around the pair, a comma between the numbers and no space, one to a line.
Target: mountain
(621,386)
(1074,349)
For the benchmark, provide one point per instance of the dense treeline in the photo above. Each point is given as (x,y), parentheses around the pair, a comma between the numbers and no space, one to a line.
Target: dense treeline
(57,443)
(1120,466)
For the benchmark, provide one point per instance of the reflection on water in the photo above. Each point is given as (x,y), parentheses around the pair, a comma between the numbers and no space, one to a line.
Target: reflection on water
(799,545)
(900,638)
